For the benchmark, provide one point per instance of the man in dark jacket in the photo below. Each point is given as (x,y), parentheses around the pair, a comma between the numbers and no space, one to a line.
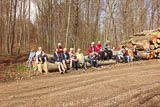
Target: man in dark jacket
(58,58)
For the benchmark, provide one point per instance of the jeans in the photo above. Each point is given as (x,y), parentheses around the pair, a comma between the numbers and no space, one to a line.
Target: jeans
(127,59)
(93,62)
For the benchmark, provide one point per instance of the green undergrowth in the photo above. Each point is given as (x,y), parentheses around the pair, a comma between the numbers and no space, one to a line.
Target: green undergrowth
(23,68)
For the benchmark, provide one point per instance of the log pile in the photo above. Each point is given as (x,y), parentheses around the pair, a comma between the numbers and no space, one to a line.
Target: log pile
(147,42)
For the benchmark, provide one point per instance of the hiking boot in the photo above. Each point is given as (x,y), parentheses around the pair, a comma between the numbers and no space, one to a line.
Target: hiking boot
(61,72)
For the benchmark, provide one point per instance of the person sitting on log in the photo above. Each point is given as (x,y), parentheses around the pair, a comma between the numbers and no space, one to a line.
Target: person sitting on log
(91,48)
(131,56)
(92,59)
(120,57)
(66,58)
(73,59)
(60,48)
(135,53)
(31,58)
(126,54)
(100,51)
(81,59)
(58,58)
(107,51)
(41,57)
(114,53)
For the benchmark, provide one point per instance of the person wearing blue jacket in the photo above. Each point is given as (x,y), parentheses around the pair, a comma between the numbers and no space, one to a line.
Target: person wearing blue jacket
(31,58)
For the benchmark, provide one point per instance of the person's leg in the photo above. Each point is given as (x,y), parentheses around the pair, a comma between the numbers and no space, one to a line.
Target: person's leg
(116,58)
(84,65)
(131,59)
(71,63)
(101,56)
(45,67)
(76,65)
(91,62)
(110,54)
(95,64)
(64,64)
(40,68)
(123,59)
(62,67)
(59,67)
(126,59)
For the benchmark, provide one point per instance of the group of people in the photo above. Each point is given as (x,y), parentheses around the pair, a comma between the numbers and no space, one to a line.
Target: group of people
(61,57)
(73,60)
(66,60)
(126,54)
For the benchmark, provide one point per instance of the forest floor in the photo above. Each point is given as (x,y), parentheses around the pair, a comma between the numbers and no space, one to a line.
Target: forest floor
(136,84)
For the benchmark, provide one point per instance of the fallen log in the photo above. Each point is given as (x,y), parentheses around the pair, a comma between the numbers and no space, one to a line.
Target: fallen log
(53,67)
(143,55)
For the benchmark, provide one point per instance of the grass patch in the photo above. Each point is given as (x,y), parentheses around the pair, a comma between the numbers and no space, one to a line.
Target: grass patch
(23,68)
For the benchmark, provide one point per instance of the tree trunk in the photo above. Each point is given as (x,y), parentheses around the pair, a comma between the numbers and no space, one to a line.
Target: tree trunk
(68,24)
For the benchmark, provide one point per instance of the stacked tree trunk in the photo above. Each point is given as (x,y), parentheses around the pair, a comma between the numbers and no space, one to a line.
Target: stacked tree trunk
(147,42)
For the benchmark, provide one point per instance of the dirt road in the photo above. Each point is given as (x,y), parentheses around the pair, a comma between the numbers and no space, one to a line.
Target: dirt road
(130,86)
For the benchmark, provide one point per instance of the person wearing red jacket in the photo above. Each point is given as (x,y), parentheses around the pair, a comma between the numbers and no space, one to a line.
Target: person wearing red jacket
(100,51)
(60,48)
(91,48)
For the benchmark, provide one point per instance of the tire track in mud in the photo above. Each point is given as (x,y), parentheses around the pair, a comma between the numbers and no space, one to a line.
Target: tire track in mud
(132,96)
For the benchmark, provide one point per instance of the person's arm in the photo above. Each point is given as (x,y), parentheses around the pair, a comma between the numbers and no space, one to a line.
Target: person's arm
(55,57)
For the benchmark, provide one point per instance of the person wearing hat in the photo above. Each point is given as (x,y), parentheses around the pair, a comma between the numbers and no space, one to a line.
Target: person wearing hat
(91,48)
(60,48)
